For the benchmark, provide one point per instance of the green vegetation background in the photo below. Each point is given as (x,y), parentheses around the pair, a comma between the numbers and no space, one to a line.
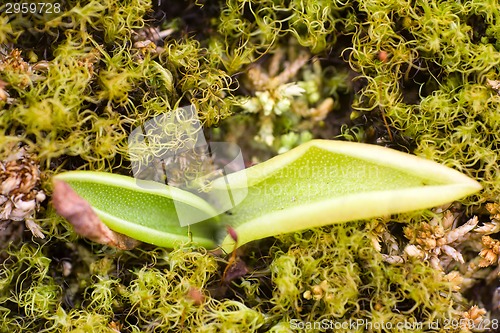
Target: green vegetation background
(412,75)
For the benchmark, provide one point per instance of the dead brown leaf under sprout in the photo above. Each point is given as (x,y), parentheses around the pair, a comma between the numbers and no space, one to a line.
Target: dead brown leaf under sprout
(84,220)
(234,270)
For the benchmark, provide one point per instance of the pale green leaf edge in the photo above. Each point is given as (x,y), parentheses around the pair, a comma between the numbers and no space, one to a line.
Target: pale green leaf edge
(380,155)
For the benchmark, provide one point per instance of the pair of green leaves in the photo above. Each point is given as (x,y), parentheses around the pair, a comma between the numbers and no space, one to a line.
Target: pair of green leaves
(318,183)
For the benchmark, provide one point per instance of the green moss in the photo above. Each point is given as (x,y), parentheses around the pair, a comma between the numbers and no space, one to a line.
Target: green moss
(342,278)
(346,278)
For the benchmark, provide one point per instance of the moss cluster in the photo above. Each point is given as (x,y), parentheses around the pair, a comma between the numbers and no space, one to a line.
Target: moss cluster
(96,79)
(332,274)
(426,68)
(74,84)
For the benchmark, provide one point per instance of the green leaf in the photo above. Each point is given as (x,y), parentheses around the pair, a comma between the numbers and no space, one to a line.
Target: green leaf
(143,210)
(324,182)
(316,184)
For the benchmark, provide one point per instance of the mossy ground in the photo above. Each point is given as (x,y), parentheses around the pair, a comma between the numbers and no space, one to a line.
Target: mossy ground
(411,75)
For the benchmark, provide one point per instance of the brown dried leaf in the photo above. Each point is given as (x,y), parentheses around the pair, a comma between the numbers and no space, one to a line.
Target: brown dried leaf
(235,271)
(84,220)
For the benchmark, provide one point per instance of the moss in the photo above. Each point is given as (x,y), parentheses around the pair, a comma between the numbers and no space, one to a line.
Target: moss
(410,75)
(437,45)
(341,278)
(83,100)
